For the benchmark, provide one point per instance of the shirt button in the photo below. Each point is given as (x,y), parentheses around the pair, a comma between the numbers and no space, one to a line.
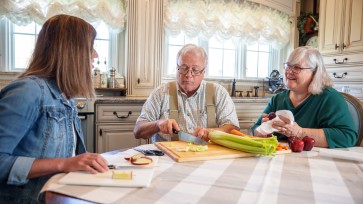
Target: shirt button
(188,114)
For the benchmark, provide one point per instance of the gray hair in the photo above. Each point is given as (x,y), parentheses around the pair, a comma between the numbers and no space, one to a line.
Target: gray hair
(312,58)
(194,49)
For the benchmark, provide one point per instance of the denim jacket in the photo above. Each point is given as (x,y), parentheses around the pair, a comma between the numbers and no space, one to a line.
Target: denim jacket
(35,122)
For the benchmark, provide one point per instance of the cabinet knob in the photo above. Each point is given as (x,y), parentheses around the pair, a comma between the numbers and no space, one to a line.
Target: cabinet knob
(336,46)
(344,45)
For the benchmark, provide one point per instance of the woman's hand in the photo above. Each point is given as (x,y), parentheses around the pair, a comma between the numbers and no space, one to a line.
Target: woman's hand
(286,128)
(91,162)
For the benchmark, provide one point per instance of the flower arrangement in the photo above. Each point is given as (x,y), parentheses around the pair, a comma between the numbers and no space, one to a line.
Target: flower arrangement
(307,25)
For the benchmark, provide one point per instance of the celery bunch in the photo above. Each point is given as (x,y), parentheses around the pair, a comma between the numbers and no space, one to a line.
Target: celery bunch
(261,146)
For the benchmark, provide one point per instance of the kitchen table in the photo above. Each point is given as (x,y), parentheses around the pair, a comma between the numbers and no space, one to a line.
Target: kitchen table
(306,177)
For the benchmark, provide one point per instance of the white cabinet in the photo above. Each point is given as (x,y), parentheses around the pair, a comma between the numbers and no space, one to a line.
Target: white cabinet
(340,26)
(114,126)
(248,112)
(346,71)
(144,46)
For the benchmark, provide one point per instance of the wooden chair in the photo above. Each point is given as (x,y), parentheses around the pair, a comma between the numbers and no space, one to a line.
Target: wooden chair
(356,110)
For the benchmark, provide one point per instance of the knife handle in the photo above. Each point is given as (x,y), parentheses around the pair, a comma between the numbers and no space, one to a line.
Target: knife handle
(175,131)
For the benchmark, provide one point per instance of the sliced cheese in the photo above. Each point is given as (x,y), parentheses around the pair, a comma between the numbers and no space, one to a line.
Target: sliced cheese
(125,175)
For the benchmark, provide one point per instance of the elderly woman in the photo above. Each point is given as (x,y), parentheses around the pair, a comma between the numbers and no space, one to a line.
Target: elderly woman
(319,110)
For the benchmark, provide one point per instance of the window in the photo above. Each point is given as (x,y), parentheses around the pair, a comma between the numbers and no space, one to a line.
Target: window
(20,42)
(225,59)
(257,60)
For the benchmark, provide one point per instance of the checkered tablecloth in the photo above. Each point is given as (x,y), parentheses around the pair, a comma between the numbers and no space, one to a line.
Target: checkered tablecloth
(305,177)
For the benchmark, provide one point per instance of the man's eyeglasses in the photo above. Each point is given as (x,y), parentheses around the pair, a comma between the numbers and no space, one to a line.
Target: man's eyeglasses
(294,68)
(184,69)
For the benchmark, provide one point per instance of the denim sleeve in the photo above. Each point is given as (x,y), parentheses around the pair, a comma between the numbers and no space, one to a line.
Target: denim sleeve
(19,109)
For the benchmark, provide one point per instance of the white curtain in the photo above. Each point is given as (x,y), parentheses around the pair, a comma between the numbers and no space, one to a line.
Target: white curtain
(239,20)
(23,12)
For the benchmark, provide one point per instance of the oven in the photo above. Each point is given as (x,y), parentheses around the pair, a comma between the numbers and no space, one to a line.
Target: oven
(86,115)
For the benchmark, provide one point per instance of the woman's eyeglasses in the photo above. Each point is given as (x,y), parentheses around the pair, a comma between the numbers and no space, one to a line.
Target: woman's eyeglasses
(294,68)
(184,69)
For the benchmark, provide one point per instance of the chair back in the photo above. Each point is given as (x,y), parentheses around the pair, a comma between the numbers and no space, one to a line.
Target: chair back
(356,110)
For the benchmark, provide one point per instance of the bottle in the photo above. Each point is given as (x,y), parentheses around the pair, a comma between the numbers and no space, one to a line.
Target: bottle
(97,76)
(112,82)
(104,80)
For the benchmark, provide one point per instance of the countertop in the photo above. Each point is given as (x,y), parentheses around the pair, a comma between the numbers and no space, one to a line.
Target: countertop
(142,99)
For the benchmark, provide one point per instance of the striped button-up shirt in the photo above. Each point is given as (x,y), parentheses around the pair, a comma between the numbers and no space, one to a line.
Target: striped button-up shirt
(192,110)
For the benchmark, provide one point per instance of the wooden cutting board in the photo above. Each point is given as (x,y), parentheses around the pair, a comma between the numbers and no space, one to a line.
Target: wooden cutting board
(214,152)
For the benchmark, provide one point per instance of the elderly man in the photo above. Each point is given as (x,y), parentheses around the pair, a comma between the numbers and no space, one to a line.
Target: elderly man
(190,105)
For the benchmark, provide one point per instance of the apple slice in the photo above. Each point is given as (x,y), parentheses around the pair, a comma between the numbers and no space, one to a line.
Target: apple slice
(142,161)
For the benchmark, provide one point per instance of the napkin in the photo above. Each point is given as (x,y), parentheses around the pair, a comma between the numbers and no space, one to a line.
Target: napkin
(266,127)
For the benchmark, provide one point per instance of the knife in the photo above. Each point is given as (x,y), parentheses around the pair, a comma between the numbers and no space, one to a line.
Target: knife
(189,138)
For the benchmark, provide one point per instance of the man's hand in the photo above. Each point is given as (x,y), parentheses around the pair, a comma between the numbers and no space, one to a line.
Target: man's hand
(166,126)
(201,132)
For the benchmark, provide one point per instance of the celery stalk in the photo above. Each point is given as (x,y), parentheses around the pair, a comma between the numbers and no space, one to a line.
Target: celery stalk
(261,146)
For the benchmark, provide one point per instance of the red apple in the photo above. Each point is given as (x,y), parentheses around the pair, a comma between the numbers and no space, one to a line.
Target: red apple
(297,145)
(308,143)
(291,139)
(271,115)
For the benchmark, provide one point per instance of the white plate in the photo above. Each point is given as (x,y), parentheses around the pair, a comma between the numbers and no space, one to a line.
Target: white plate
(141,174)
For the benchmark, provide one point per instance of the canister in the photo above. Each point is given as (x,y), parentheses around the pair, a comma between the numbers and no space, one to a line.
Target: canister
(104,80)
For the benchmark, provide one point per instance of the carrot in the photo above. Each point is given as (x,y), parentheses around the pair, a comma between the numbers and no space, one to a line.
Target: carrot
(236,132)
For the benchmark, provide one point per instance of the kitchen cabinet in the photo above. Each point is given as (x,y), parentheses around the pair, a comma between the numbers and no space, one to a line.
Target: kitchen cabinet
(115,124)
(144,46)
(248,112)
(346,72)
(341,27)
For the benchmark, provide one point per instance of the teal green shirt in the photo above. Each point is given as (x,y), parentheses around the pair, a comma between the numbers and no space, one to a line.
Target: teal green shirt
(327,110)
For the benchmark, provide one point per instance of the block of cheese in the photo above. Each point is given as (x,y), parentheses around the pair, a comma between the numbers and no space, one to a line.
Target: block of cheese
(125,175)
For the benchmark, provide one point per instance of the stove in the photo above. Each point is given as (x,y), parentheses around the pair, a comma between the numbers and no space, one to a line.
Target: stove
(86,115)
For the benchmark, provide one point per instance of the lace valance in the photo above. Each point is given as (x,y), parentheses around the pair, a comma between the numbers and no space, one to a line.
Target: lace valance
(23,12)
(239,20)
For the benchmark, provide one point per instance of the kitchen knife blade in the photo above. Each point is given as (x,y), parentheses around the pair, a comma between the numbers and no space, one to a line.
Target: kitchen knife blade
(189,138)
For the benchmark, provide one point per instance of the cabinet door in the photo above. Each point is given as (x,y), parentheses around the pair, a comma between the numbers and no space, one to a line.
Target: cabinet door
(116,136)
(353,29)
(330,26)
(144,47)
(246,125)
(248,113)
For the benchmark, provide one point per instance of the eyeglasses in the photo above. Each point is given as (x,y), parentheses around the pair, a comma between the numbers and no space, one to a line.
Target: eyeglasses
(294,68)
(184,69)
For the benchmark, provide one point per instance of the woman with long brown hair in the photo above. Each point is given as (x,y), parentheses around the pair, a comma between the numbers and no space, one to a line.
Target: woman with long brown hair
(40,132)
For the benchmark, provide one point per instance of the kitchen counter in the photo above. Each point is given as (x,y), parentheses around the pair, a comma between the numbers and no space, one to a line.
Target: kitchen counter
(140,99)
